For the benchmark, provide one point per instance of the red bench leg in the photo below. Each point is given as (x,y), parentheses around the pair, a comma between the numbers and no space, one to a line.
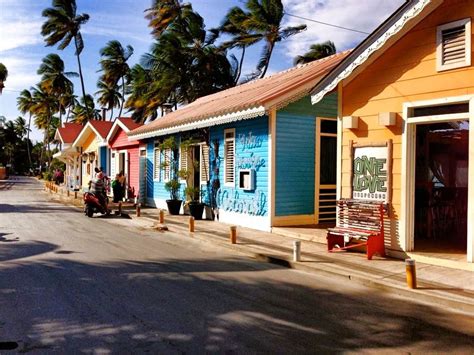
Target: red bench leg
(375,245)
(333,240)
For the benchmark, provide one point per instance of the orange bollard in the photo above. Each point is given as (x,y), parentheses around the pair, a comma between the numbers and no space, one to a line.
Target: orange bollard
(75,194)
(68,193)
(138,211)
(162,217)
(411,273)
(191,224)
(233,234)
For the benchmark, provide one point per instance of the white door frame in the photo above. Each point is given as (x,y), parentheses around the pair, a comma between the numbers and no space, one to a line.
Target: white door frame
(407,220)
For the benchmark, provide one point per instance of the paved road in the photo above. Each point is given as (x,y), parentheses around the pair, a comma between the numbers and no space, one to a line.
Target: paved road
(70,284)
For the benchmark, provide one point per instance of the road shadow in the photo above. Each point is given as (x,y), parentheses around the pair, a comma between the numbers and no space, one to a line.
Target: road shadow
(36,208)
(208,305)
(24,249)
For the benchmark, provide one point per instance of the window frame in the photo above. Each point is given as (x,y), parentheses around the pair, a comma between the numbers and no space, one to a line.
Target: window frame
(227,183)
(466,22)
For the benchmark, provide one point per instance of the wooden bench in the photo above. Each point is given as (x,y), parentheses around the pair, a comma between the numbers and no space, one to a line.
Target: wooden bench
(359,221)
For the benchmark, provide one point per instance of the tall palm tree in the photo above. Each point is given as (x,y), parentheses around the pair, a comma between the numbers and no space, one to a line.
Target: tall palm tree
(109,96)
(316,51)
(234,25)
(63,25)
(3,76)
(115,67)
(85,111)
(55,81)
(265,20)
(163,13)
(25,104)
(21,128)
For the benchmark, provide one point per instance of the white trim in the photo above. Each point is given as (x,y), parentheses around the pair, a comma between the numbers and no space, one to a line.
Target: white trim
(90,126)
(339,142)
(407,221)
(229,130)
(466,22)
(113,130)
(272,123)
(202,163)
(208,122)
(379,43)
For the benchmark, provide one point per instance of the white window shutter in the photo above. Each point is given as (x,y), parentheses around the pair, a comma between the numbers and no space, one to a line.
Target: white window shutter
(168,162)
(204,163)
(183,159)
(156,164)
(229,158)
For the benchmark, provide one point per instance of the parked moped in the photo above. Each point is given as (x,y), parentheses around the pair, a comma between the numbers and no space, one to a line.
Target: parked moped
(92,205)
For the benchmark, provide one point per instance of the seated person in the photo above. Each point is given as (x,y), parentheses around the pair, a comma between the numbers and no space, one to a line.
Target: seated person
(97,188)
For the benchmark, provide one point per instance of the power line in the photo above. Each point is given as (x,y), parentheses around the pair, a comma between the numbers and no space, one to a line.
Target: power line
(326,24)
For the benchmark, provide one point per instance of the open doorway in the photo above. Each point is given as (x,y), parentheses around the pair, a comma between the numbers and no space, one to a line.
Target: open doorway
(441,187)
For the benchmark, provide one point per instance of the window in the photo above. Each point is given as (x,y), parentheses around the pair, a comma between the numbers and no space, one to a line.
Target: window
(183,160)
(167,163)
(156,163)
(204,173)
(229,157)
(453,42)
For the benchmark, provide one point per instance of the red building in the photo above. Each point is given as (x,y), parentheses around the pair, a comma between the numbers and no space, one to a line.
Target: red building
(125,155)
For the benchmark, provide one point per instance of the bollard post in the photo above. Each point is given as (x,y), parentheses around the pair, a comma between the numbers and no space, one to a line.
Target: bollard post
(138,209)
(233,234)
(120,207)
(296,250)
(68,192)
(191,224)
(411,273)
(162,217)
(75,195)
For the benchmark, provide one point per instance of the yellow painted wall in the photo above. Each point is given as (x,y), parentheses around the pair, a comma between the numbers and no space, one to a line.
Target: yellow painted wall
(90,145)
(405,72)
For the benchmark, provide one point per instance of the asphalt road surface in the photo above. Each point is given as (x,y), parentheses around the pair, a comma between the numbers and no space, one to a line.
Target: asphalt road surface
(70,284)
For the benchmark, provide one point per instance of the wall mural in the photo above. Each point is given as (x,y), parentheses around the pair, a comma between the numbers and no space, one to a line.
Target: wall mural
(235,200)
(230,201)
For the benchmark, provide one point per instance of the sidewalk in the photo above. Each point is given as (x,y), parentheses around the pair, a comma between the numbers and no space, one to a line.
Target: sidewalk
(446,287)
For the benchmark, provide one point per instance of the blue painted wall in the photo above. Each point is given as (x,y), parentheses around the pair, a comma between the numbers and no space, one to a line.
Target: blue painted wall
(155,189)
(104,152)
(251,151)
(295,154)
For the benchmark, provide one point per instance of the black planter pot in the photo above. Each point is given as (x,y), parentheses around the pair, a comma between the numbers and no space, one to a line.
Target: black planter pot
(174,206)
(196,209)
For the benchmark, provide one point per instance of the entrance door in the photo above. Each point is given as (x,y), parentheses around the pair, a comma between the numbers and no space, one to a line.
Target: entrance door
(143,180)
(123,168)
(325,179)
(441,182)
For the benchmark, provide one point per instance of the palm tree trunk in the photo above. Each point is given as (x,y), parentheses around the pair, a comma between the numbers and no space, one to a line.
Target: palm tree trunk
(267,60)
(239,71)
(123,97)
(82,78)
(28,142)
(112,114)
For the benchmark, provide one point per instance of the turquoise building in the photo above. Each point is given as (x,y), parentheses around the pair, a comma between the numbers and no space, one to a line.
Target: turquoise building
(262,155)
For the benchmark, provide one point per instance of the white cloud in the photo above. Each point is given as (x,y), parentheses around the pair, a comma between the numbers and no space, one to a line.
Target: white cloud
(362,15)
(21,72)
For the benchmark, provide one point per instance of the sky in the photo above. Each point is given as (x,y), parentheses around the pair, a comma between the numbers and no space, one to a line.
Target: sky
(22,47)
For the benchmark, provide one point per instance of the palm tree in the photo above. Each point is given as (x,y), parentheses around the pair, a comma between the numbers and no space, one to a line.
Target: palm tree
(265,18)
(316,51)
(55,80)
(115,67)
(85,111)
(63,25)
(110,96)
(234,25)
(21,128)
(163,13)
(25,104)
(3,76)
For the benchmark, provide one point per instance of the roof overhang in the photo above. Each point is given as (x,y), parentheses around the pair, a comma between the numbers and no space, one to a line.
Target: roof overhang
(396,26)
(113,131)
(57,136)
(65,154)
(88,129)
(206,122)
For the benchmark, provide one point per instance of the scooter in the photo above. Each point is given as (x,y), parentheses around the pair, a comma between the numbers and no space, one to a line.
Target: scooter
(92,205)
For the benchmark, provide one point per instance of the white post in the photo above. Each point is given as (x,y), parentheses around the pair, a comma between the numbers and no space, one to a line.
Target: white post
(296,250)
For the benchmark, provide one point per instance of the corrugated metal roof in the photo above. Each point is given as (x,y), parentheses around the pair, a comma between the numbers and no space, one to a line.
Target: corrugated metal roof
(276,90)
(69,132)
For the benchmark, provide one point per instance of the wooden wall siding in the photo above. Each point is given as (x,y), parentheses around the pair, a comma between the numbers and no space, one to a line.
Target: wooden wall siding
(294,177)
(405,72)
(90,144)
(259,129)
(327,107)
(120,140)
(155,189)
(133,171)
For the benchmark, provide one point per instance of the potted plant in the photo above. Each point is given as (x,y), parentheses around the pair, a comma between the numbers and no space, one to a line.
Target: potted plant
(193,197)
(172,185)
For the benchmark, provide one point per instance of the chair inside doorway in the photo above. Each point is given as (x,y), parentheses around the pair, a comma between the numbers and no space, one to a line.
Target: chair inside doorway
(441,187)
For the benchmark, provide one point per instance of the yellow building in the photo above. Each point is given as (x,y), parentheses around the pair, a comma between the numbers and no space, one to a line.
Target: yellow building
(406,94)
(91,143)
